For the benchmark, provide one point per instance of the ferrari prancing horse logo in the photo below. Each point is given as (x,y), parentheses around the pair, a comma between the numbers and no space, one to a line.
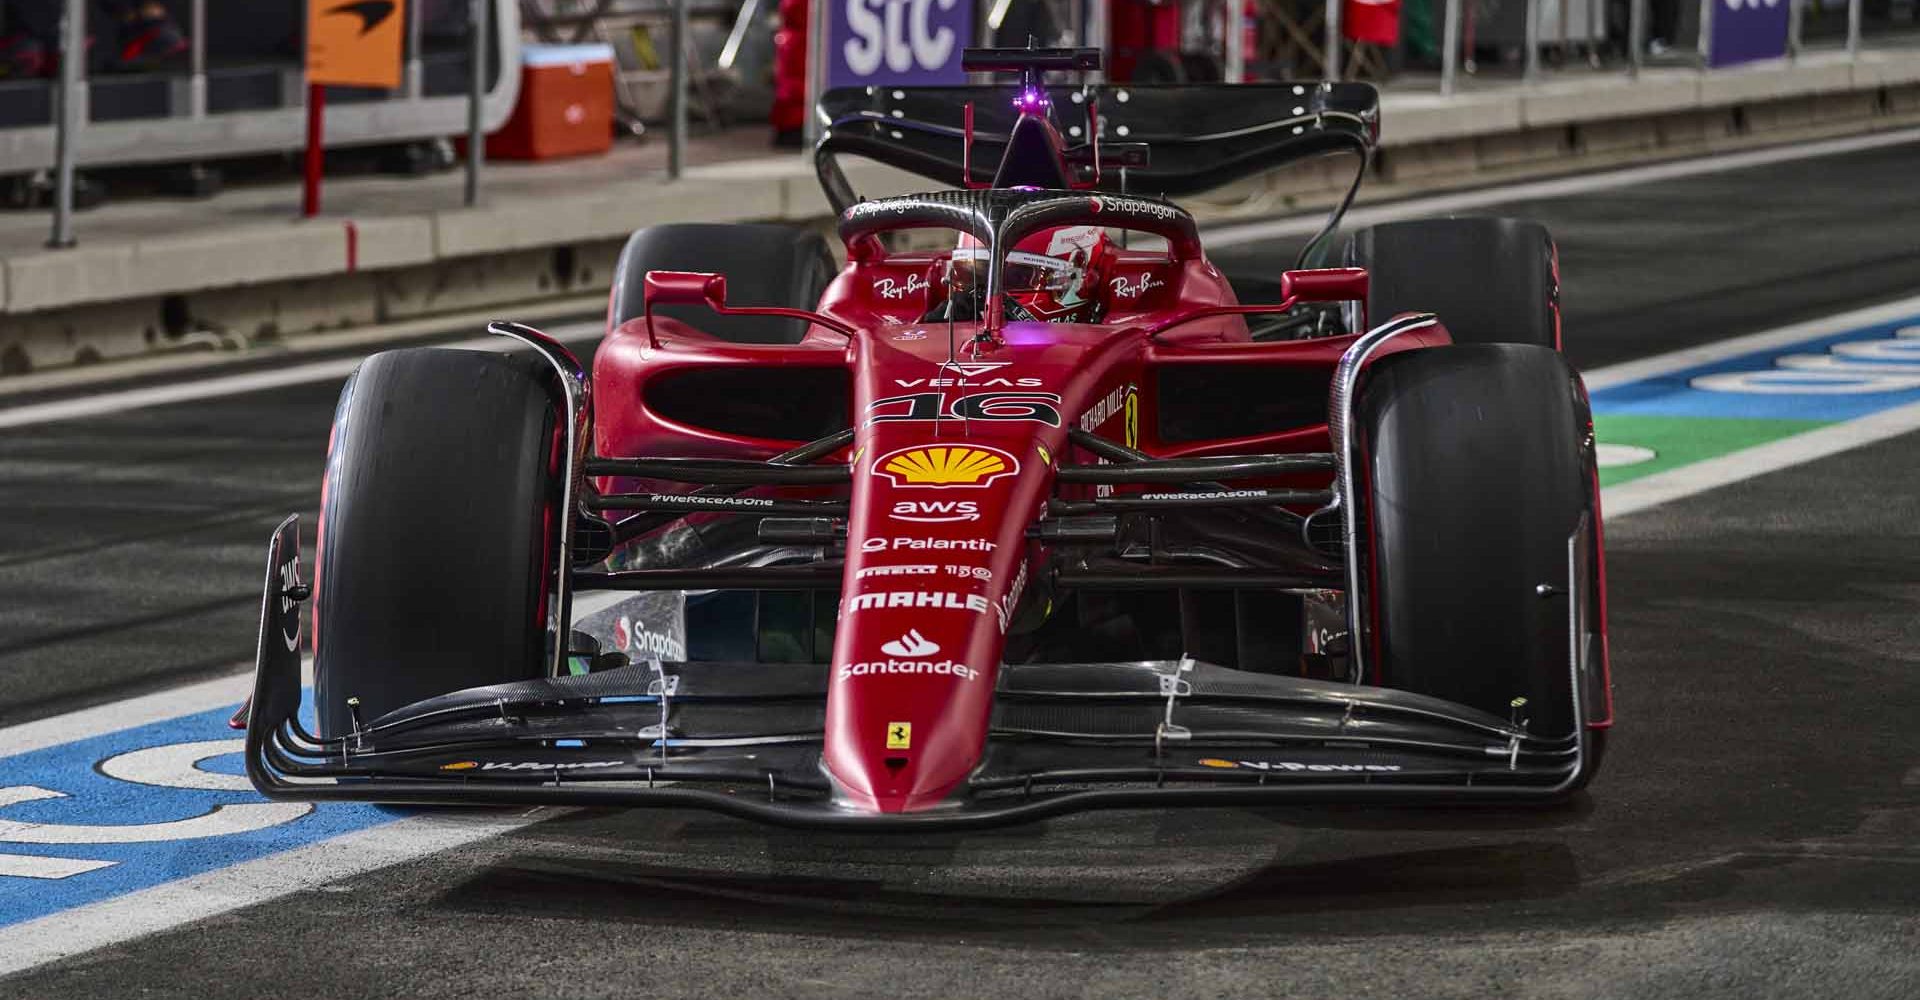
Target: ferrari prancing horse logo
(899,735)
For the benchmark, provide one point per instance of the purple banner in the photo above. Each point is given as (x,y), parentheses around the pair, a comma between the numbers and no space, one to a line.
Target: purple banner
(1747,30)
(914,42)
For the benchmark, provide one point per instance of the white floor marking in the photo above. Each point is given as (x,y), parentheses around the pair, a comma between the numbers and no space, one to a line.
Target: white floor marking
(1720,350)
(172,766)
(244,817)
(1614,456)
(101,404)
(1444,204)
(1699,477)
(162,907)
(115,716)
(35,866)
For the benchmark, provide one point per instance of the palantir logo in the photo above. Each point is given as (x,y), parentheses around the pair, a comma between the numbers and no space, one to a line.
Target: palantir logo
(911,644)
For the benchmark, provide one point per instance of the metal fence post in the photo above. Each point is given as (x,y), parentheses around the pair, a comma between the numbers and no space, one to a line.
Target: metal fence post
(72,103)
(1853,29)
(1530,70)
(197,83)
(416,73)
(677,95)
(1332,61)
(816,74)
(1796,11)
(1236,22)
(1450,48)
(1097,38)
(476,96)
(1636,36)
(1706,34)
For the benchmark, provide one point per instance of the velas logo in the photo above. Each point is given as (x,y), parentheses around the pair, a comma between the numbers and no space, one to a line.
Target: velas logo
(911,644)
(943,466)
(974,367)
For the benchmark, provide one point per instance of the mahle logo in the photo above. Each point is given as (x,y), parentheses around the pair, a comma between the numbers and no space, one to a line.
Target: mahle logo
(946,466)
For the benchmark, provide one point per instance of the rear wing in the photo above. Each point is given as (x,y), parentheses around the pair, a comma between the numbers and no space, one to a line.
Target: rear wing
(1196,136)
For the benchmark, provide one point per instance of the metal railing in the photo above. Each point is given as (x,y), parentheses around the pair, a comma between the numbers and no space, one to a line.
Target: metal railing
(193,130)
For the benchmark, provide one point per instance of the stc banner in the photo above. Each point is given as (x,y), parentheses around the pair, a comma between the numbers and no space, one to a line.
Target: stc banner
(915,42)
(1747,30)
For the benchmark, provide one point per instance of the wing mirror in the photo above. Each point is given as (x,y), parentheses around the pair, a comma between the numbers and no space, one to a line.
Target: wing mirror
(1329,284)
(696,288)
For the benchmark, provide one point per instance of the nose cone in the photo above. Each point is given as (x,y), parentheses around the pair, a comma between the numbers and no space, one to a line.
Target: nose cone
(936,559)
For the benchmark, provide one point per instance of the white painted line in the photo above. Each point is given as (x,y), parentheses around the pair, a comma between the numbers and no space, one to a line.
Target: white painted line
(163,907)
(1720,350)
(243,817)
(1444,204)
(157,707)
(35,866)
(1689,480)
(101,404)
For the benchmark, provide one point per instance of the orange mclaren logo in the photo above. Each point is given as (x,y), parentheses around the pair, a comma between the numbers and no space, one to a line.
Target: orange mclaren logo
(946,465)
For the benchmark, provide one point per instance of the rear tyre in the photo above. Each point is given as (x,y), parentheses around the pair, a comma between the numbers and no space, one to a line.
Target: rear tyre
(1478,465)
(1492,281)
(765,265)
(437,525)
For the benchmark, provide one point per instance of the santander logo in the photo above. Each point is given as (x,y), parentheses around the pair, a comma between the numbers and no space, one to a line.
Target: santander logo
(911,644)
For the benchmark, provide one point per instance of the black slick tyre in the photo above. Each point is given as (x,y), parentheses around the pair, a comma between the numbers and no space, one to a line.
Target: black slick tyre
(1477,468)
(437,530)
(765,265)
(1491,281)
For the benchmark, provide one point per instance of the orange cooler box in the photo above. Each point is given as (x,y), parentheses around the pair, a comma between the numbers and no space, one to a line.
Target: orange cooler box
(565,106)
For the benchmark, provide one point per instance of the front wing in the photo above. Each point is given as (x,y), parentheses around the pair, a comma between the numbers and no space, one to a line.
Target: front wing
(745,739)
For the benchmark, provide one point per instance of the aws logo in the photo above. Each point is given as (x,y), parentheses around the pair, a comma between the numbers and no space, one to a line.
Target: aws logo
(945,466)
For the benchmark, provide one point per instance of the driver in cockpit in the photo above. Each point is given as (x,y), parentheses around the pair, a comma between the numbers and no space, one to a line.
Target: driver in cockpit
(1052,276)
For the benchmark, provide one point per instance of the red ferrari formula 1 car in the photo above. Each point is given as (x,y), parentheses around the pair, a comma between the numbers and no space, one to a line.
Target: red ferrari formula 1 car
(1036,517)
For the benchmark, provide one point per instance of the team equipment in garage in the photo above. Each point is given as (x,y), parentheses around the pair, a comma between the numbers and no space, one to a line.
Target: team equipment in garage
(870,548)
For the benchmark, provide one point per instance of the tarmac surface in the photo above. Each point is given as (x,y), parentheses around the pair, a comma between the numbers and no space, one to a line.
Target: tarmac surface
(1755,832)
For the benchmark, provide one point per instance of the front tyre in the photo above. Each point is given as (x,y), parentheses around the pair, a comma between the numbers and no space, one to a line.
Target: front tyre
(1478,466)
(437,528)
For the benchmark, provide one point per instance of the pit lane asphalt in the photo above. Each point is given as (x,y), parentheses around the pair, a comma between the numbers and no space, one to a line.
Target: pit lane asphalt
(1756,831)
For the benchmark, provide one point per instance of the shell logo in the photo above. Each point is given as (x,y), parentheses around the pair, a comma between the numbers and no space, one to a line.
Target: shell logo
(945,466)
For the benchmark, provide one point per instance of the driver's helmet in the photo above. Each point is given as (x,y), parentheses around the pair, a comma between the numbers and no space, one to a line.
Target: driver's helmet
(1052,275)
